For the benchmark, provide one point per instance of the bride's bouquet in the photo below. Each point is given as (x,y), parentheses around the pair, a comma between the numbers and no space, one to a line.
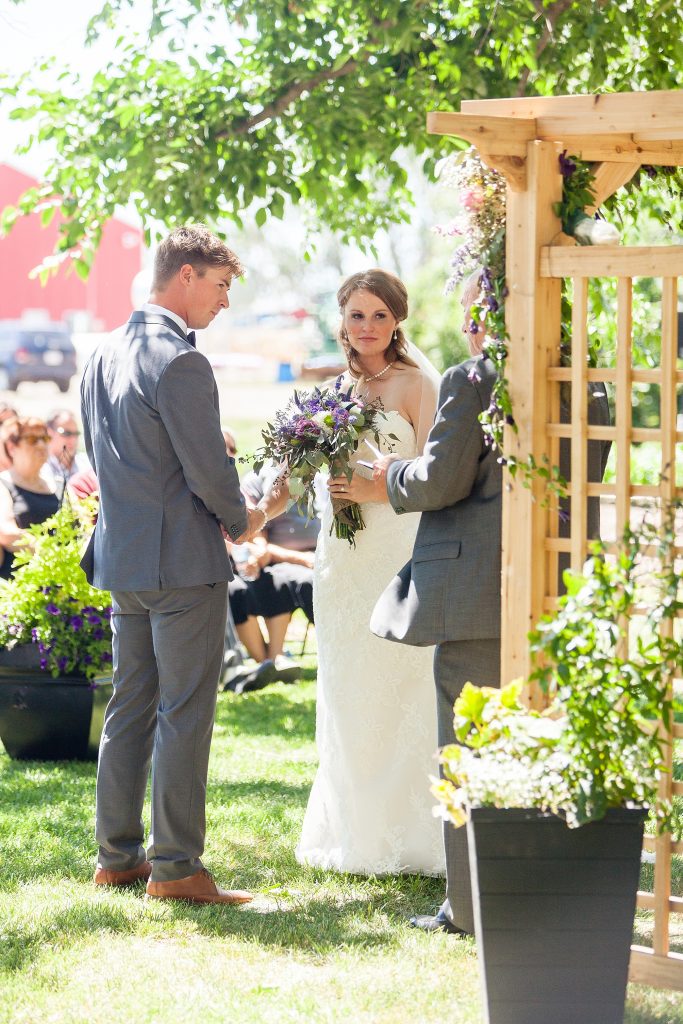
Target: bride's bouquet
(321,429)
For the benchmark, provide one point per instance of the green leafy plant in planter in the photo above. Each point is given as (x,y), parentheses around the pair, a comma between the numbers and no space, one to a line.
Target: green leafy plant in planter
(554,903)
(599,743)
(49,603)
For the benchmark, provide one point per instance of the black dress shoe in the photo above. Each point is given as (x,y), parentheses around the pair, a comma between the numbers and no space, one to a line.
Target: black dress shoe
(436,923)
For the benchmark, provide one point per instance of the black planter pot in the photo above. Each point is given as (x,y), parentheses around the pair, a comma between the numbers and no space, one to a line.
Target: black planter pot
(553,911)
(49,719)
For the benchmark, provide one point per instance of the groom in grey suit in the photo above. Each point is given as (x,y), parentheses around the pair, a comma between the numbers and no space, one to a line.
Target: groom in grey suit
(169,494)
(449,594)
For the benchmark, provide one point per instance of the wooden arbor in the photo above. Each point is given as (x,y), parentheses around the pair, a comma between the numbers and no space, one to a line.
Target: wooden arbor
(522,138)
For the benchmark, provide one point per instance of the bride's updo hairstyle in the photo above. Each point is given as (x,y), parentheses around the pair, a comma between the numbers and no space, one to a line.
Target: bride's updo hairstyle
(392,292)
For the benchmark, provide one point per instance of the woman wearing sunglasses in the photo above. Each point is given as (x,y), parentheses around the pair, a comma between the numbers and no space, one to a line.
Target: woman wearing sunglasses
(25,498)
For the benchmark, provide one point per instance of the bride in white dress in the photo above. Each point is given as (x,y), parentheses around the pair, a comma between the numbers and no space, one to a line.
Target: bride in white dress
(369,810)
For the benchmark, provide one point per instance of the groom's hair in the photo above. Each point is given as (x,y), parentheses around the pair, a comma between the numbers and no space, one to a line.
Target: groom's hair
(193,244)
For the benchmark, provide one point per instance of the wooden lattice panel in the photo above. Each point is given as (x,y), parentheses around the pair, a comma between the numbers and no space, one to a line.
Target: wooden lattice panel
(656,964)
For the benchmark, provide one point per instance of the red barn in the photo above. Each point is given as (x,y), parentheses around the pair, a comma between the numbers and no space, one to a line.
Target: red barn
(100,303)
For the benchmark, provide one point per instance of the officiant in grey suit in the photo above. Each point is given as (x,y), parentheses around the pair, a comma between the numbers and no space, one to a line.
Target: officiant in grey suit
(449,594)
(168,494)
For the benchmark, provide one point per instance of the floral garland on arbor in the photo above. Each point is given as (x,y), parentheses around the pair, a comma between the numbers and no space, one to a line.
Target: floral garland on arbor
(482,223)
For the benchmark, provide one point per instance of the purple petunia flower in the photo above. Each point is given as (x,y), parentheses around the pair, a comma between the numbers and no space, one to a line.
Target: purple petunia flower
(46,590)
(94,620)
(43,663)
(62,662)
(87,659)
(106,656)
(76,623)
(52,609)
(98,634)
(34,635)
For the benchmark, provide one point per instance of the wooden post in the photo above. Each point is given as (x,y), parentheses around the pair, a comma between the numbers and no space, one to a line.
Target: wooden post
(532,312)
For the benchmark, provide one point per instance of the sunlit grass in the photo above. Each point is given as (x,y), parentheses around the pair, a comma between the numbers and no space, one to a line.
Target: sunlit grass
(313,947)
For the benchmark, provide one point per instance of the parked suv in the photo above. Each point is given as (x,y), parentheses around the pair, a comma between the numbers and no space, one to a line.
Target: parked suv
(34,353)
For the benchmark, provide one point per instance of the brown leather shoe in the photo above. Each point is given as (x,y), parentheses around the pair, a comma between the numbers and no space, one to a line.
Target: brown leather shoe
(104,876)
(198,888)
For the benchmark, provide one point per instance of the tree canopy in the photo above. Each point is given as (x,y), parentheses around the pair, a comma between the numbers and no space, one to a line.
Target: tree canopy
(309,101)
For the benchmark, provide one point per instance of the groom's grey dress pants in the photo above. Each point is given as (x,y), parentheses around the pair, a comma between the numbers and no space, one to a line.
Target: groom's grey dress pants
(457,663)
(168,653)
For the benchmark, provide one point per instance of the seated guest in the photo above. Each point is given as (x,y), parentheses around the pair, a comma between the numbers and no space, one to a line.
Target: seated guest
(7,412)
(25,497)
(272,581)
(64,460)
(271,592)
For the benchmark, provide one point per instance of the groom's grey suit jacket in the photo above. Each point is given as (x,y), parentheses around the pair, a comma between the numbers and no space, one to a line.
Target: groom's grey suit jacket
(450,590)
(153,434)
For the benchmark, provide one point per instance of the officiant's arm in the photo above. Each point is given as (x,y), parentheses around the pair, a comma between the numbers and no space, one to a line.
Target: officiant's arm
(446,471)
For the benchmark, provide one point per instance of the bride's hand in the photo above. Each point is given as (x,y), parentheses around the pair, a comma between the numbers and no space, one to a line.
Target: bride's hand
(358,489)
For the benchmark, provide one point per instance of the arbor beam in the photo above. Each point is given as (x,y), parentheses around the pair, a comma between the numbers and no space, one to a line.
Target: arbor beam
(505,135)
(611,261)
(633,113)
(608,177)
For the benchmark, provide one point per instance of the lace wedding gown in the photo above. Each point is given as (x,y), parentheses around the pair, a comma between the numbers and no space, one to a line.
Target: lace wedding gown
(370,809)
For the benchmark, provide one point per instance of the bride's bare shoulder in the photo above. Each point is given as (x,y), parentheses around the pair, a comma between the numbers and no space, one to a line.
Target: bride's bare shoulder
(408,376)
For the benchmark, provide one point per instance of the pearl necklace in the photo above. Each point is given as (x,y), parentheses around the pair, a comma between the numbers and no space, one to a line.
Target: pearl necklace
(366,380)
(376,377)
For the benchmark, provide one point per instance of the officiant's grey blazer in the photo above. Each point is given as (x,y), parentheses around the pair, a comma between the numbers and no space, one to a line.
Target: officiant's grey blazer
(450,590)
(153,435)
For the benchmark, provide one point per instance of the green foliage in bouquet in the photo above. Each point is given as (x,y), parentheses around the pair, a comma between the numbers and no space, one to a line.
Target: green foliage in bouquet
(49,602)
(600,742)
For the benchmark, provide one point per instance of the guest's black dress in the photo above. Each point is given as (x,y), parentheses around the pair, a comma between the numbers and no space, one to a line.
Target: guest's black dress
(29,507)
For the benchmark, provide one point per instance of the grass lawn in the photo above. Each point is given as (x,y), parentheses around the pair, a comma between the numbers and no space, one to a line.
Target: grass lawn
(311,947)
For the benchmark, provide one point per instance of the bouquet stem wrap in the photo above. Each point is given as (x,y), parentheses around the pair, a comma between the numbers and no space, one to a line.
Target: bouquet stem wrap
(347,519)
